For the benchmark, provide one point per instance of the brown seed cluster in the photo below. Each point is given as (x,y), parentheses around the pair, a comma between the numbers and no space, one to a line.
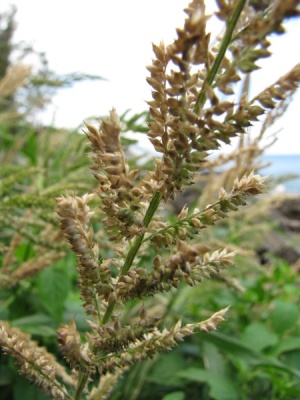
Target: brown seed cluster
(74,215)
(280,90)
(36,364)
(119,194)
(112,338)
(188,225)
(190,116)
(185,125)
(106,385)
(76,353)
(175,128)
(160,341)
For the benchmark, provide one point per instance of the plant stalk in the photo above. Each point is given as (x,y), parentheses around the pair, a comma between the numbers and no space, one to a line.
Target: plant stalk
(83,377)
(223,47)
(134,249)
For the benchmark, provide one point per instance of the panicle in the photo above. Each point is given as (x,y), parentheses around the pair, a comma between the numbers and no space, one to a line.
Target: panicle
(188,120)
(77,354)
(36,364)
(74,214)
(187,117)
(30,268)
(119,194)
(160,341)
(174,129)
(14,78)
(106,385)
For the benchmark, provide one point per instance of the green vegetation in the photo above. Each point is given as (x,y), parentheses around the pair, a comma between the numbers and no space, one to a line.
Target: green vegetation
(100,276)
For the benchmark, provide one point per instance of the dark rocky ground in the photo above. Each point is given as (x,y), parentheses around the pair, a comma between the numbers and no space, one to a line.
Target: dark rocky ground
(284,243)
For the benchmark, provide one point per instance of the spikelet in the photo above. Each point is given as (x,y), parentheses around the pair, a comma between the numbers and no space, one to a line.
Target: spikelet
(119,195)
(13,79)
(160,341)
(188,120)
(36,364)
(74,215)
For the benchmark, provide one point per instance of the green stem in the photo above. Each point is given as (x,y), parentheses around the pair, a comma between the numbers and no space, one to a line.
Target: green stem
(152,208)
(172,300)
(223,47)
(134,249)
(187,219)
(96,301)
(83,377)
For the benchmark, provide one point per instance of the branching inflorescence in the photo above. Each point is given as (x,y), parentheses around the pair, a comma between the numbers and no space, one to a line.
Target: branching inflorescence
(191,114)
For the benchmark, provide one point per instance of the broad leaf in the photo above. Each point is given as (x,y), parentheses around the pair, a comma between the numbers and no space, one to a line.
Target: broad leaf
(174,396)
(221,388)
(288,344)
(53,285)
(37,324)
(284,315)
(237,348)
(24,390)
(257,336)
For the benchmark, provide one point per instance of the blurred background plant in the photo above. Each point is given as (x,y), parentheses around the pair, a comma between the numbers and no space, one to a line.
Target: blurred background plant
(255,355)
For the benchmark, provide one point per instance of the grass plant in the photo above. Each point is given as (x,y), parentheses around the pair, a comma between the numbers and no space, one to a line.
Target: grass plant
(130,255)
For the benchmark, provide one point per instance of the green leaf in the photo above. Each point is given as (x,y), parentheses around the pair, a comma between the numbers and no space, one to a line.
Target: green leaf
(235,347)
(37,324)
(232,345)
(258,337)
(164,372)
(24,390)
(15,177)
(288,344)
(292,359)
(53,285)
(36,319)
(6,375)
(74,309)
(221,388)
(61,81)
(136,123)
(24,252)
(30,149)
(174,396)
(284,315)
(214,358)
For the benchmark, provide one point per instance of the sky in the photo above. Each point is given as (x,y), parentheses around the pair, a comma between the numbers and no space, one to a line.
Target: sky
(113,39)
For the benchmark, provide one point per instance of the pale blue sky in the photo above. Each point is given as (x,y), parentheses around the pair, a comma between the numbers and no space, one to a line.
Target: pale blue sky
(113,39)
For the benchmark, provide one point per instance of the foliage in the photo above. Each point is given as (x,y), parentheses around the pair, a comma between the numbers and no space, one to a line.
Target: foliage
(139,269)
